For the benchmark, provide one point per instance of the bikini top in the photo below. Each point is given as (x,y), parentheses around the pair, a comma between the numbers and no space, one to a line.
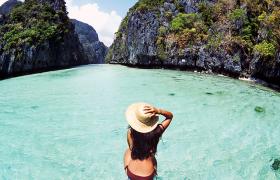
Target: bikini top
(136,177)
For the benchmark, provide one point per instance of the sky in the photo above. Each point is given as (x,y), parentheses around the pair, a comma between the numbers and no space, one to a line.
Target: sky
(104,15)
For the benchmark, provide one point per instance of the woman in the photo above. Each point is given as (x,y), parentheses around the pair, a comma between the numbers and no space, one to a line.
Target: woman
(142,137)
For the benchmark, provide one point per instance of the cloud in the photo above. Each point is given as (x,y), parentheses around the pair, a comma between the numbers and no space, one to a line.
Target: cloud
(105,23)
(2,2)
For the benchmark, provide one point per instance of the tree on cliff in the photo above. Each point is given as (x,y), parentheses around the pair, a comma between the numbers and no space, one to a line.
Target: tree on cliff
(32,23)
(240,37)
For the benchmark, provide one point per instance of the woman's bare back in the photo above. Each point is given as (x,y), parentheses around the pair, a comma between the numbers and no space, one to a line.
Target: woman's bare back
(139,167)
(147,166)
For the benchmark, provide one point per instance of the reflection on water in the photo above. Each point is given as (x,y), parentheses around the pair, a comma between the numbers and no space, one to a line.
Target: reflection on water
(70,124)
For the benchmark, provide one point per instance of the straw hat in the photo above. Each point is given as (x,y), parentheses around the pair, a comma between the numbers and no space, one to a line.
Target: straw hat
(139,120)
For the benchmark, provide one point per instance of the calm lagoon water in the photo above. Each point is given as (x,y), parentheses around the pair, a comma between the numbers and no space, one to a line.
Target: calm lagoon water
(70,124)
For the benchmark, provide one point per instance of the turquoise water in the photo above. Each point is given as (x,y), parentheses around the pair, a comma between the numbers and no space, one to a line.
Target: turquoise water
(70,124)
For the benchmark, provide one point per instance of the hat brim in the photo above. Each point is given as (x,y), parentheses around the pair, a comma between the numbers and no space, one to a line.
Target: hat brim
(135,123)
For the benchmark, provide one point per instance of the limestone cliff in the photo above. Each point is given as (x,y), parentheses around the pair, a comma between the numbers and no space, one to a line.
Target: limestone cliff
(94,49)
(236,38)
(8,6)
(37,35)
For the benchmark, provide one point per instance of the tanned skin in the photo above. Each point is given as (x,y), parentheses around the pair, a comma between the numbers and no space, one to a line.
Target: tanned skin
(145,167)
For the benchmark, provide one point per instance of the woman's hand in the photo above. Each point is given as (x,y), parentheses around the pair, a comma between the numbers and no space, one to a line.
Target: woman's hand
(168,115)
(151,110)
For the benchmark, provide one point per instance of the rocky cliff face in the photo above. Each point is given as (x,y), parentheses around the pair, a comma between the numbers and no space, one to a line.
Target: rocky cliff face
(94,49)
(236,38)
(38,36)
(8,6)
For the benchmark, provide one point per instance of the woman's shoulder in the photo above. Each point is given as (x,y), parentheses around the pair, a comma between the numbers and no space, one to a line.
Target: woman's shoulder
(160,128)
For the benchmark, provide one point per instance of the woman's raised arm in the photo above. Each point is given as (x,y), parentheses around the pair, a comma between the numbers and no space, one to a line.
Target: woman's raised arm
(168,117)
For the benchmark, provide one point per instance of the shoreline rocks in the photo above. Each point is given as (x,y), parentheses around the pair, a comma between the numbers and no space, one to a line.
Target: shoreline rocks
(191,35)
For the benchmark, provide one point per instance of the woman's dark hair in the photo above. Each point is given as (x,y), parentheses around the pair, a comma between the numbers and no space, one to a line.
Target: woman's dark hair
(144,144)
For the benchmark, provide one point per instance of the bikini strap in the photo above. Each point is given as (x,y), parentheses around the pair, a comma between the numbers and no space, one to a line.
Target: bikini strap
(161,127)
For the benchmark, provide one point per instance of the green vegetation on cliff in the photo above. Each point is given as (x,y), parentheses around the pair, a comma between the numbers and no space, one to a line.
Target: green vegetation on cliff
(266,49)
(31,24)
(239,25)
(233,37)
(183,21)
(253,26)
(143,5)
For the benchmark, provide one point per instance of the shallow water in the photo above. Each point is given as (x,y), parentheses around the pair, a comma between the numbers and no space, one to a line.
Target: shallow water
(70,124)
